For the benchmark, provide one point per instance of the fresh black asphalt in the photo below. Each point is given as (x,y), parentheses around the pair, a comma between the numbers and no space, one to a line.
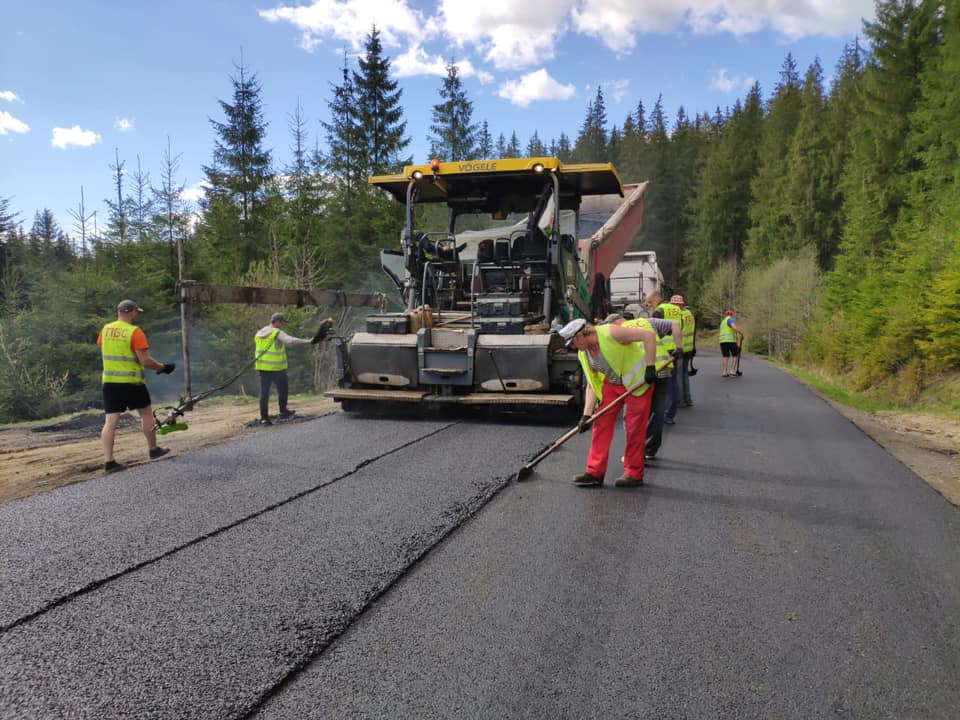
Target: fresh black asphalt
(776,564)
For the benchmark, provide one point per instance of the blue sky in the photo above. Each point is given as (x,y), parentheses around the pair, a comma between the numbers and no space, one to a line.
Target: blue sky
(80,81)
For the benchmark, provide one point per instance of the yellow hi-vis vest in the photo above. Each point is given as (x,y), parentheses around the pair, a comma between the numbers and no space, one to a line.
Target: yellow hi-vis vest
(664,345)
(689,328)
(727,333)
(120,362)
(627,361)
(271,353)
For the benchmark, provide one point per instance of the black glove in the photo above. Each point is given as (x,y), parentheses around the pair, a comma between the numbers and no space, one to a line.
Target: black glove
(584,423)
(676,354)
(322,331)
(650,375)
(167,368)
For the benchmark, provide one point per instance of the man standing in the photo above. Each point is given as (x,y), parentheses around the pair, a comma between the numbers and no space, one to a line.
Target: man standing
(689,324)
(614,359)
(731,338)
(666,331)
(271,363)
(125,353)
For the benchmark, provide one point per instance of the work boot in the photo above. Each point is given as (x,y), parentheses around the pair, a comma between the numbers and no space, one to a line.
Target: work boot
(627,480)
(588,480)
(266,421)
(111,466)
(284,414)
(158,452)
(649,457)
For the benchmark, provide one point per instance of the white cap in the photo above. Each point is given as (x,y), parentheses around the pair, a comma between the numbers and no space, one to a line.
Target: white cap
(570,330)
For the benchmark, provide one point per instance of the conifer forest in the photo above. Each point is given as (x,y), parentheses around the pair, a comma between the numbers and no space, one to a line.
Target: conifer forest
(826,213)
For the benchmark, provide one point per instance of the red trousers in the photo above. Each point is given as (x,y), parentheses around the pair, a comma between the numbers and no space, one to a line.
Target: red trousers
(638,413)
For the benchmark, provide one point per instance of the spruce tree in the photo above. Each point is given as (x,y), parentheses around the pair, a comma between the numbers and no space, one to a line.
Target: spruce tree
(484,141)
(591,145)
(721,208)
(454,134)
(513,147)
(235,218)
(379,113)
(808,185)
(535,146)
(345,160)
(769,212)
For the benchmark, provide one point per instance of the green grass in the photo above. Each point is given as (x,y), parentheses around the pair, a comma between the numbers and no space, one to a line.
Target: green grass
(941,397)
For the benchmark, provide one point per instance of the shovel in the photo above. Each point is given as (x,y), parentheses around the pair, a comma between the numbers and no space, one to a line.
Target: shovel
(525,471)
(739,355)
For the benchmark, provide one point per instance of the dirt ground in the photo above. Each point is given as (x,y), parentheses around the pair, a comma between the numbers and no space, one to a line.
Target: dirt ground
(36,457)
(40,456)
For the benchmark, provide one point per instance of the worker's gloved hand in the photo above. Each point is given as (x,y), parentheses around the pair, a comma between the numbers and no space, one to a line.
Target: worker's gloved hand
(650,375)
(676,354)
(583,424)
(167,368)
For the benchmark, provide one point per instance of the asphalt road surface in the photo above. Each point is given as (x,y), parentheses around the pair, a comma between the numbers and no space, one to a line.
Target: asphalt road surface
(776,564)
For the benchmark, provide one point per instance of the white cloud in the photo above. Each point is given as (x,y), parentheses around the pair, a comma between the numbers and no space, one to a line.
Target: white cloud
(195,192)
(416,61)
(510,35)
(352,20)
(537,85)
(720,81)
(9,124)
(8,95)
(616,89)
(123,124)
(65,137)
(616,23)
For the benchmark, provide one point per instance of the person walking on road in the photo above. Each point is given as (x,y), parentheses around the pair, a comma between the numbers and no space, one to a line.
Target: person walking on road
(614,359)
(126,353)
(731,339)
(271,364)
(689,331)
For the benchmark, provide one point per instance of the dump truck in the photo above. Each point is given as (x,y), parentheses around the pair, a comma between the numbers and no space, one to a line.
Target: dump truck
(633,277)
(494,256)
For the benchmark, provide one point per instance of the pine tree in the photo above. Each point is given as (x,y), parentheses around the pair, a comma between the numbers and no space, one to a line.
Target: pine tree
(453,132)
(381,130)
(501,147)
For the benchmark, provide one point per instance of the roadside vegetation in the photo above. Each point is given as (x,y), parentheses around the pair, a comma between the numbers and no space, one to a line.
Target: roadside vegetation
(826,214)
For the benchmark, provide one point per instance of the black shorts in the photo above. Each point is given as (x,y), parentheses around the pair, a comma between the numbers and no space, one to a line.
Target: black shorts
(729,349)
(119,397)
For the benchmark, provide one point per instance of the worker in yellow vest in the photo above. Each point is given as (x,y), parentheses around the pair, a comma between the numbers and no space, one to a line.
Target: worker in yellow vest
(271,364)
(614,360)
(689,324)
(654,301)
(731,340)
(125,353)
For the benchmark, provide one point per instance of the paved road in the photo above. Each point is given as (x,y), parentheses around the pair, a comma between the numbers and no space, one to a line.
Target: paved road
(777,564)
